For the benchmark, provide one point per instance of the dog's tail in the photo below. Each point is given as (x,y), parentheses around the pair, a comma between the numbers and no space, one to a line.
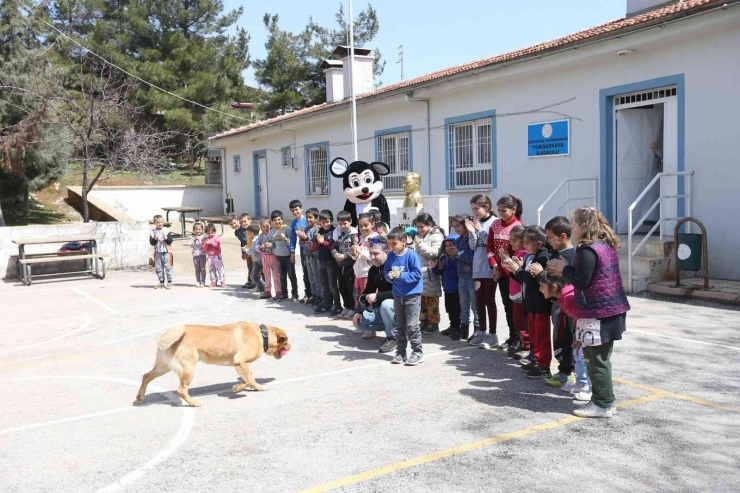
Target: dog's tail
(171,337)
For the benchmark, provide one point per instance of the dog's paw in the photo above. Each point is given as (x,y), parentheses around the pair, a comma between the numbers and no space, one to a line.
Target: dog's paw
(261,388)
(196,404)
(237,388)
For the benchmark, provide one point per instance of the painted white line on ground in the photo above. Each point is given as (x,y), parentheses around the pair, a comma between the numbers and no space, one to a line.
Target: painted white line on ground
(160,329)
(186,426)
(82,327)
(46,320)
(695,341)
(94,300)
(24,359)
(29,289)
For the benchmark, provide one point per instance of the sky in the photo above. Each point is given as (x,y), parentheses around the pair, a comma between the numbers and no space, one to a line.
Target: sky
(437,34)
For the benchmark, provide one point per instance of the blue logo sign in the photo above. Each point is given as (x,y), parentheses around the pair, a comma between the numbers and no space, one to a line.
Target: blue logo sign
(548,139)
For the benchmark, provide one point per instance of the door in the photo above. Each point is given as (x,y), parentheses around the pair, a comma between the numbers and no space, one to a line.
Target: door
(260,185)
(670,164)
(637,164)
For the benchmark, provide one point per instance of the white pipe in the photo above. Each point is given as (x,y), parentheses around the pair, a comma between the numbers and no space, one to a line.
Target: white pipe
(410,97)
(352,80)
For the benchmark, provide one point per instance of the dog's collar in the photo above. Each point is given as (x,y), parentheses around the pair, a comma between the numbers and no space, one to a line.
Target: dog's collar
(265,337)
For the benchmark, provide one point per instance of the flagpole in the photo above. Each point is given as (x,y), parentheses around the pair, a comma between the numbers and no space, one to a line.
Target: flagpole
(352,79)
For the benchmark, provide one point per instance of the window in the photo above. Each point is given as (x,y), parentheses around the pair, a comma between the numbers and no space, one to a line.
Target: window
(286,158)
(317,170)
(393,150)
(470,153)
(237,164)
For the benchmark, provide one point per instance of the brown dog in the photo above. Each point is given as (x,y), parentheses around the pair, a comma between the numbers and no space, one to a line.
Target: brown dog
(180,349)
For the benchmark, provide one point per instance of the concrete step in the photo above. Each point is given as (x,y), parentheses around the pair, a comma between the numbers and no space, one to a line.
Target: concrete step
(640,283)
(655,268)
(651,248)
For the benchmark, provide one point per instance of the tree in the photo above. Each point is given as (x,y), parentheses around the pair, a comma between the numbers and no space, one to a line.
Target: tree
(178,45)
(291,70)
(34,144)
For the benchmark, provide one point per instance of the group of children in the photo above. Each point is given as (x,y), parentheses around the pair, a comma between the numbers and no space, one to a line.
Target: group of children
(545,283)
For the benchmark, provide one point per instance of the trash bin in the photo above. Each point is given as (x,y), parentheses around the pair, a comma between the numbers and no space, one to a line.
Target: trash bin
(689,251)
(229,204)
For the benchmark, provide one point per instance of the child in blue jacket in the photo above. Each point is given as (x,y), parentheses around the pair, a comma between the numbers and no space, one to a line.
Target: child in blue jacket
(447,268)
(466,285)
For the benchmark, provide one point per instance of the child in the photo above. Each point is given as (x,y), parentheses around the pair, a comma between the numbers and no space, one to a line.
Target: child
(345,237)
(361,256)
(466,285)
(522,345)
(382,229)
(403,270)
(327,265)
(306,237)
(601,304)
(558,237)
(264,245)
(299,223)
(240,231)
(555,287)
(509,215)
(281,248)
(212,247)
(446,267)
(161,239)
(428,241)
(485,286)
(199,255)
(253,231)
(537,306)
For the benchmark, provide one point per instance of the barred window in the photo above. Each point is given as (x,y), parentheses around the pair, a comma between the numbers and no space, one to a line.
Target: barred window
(317,170)
(393,150)
(237,163)
(471,163)
(286,158)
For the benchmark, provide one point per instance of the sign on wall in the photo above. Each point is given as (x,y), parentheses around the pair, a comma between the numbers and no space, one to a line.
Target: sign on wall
(548,139)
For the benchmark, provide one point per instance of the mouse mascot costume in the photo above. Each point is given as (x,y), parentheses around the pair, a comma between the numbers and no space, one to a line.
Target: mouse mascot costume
(363,187)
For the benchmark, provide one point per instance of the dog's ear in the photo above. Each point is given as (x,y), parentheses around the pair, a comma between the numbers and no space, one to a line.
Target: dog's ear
(338,167)
(380,168)
(281,336)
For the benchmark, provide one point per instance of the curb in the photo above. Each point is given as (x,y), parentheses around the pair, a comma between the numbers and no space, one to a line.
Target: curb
(686,292)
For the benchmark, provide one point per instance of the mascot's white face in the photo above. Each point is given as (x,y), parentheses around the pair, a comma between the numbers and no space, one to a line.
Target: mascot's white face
(362,187)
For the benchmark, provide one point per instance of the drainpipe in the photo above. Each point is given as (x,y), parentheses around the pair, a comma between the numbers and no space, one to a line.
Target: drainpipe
(224,186)
(410,98)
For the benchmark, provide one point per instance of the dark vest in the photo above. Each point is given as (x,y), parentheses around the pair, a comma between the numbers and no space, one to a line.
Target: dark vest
(605,296)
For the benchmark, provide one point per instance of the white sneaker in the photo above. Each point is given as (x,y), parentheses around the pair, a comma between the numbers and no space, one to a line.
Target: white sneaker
(490,342)
(368,334)
(477,338)
(580,387)
(613,409)
(582,396)
(568,387)
(346,312)
(593,411)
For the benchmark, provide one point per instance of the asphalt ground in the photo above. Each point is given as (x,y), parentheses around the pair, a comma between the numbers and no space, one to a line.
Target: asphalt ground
(338,415)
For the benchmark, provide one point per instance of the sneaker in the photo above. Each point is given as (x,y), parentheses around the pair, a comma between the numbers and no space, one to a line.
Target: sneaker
(295,299)
(580,387)
(593,411)
(368,334)
(350,315)
(582,396)
(560,379)
(213,284)
(344,313)
(569,386)
(447,331)
(389,345)
(490,342)
(519,355)
(455,334)
(475,333)
(423,325)
(415,359)
(431,328)
(477,338)
(529,367)
(199,285)
(504,346)
(336,311)
(526,359)
(168,286)
(265,296)
(305,300)
(537,372)
(284,298)
(316,302)
(161,286)
(277,299)
(247,285)
(223,284)
(322,309)
(514,348)
(398,359)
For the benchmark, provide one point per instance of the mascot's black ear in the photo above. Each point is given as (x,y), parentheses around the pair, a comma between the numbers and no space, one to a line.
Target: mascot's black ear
(338,167)
(380,168)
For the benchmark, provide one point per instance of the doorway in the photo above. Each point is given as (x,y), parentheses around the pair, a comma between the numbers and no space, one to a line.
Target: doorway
(261,198)
(645,144)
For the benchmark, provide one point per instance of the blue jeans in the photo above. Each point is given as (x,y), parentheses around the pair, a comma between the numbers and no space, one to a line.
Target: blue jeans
(384,322)
(466,286)
(580,364)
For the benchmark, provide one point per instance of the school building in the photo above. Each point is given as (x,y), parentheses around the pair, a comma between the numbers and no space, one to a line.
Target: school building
(645,107)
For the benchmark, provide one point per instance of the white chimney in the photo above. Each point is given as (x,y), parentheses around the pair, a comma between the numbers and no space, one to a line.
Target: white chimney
(636,7)
(334,80)
(363,70)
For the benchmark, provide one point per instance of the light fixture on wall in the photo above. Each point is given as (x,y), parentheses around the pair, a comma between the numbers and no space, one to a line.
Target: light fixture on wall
(625,52)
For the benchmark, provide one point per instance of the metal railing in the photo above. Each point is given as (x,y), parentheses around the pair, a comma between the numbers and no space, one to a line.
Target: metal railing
(661,200)
(568,198)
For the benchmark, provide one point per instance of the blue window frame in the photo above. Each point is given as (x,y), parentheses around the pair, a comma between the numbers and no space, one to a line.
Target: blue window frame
(470,151)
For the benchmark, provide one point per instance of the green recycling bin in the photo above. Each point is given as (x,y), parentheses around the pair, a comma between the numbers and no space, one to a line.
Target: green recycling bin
(689,251)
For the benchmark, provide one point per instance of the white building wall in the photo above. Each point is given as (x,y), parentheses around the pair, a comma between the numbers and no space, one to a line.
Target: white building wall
(700,48)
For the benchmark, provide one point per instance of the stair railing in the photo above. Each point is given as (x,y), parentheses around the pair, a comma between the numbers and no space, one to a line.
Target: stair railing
(568,199)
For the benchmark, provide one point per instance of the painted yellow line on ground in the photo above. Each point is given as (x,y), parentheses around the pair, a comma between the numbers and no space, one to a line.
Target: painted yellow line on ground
(674,395)
(450,452)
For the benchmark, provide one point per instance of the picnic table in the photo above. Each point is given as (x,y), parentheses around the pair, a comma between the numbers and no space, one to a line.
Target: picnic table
(182,211)
(94,262)
(215,220)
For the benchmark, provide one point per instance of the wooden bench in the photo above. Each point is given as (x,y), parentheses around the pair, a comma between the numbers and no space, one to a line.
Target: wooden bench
(94,261)
(215,220)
